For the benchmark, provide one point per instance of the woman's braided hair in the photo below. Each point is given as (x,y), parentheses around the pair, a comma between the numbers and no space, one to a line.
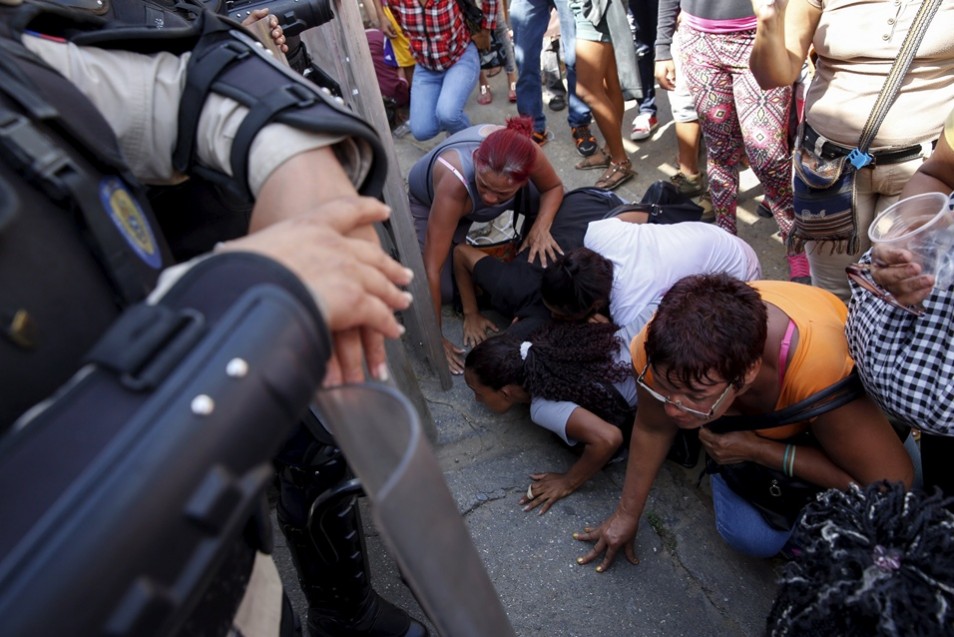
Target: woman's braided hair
(874,561)
(561,358)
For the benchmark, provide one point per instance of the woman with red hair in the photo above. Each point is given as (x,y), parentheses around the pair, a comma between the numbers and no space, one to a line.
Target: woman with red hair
(475,175)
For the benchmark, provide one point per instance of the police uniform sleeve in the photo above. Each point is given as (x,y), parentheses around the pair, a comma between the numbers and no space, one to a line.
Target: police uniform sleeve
(141,96)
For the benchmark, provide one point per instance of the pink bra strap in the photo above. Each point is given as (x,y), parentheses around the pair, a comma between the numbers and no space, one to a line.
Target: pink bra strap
(783,350)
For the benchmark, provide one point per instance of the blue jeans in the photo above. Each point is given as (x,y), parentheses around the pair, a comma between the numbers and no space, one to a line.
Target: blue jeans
(644,18)
(741,525)
(529,20)
(438,97)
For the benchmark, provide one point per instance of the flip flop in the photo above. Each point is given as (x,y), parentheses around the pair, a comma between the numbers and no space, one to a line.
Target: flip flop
(486,96)
(512,93)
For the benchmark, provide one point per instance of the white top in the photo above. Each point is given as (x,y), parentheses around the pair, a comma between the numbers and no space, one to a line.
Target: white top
(649,258)
(553,414)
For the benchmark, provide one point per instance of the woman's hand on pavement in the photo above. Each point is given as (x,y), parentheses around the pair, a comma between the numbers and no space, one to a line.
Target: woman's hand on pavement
(476,328)
(455,359)
(615,533)
(545,490)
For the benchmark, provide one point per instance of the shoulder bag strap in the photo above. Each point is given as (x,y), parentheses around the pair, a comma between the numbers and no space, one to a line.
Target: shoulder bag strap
(859,157)
(832,397)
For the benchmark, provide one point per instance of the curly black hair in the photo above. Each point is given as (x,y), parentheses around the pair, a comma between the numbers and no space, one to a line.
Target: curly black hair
(876,561)
(560,357)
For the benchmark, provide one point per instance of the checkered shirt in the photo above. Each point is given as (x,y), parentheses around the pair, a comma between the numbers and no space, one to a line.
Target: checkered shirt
(436,29)
(906,362)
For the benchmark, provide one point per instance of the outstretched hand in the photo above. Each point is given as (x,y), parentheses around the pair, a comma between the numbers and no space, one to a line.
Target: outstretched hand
(544,491)
(355,283)
(476,328)
(454,356)
(616,532)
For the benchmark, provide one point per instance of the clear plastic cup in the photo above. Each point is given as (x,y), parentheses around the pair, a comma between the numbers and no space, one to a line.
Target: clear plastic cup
(924,225)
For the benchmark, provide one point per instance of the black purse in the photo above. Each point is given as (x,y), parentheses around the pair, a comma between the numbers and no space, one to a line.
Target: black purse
(664,204)
(778,497)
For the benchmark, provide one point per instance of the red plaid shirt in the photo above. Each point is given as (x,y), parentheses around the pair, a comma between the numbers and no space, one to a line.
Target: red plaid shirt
(436,29)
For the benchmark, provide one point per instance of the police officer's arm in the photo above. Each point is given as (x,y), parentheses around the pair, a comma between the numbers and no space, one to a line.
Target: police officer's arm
(354,281)
(306,161)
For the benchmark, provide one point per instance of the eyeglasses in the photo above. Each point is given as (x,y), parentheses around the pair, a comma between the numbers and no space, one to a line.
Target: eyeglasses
(666,400)
(860,273)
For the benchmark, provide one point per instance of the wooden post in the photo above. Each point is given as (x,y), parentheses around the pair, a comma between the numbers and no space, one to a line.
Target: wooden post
(341,45)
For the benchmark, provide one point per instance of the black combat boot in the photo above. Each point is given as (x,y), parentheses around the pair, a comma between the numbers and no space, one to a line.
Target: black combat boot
(318,515)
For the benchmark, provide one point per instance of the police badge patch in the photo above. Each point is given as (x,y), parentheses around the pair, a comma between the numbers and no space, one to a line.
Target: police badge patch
(130,220)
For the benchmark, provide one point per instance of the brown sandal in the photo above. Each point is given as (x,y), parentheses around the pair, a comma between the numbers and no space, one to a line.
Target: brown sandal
(616,175)
(599,159)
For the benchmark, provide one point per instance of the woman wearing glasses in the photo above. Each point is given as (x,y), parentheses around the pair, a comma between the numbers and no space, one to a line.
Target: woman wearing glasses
(718,346)
(476,175)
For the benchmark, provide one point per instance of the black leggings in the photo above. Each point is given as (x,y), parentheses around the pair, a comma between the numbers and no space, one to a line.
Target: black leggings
(937,456)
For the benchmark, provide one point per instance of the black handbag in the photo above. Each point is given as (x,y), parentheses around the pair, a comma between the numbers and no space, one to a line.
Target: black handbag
(663,203)
(778,497)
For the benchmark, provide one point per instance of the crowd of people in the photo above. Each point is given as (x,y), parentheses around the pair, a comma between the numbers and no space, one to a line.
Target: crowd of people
(792,390)
(810,397)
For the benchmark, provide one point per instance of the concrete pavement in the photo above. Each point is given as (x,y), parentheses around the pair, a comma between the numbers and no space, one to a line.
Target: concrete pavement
(688,582)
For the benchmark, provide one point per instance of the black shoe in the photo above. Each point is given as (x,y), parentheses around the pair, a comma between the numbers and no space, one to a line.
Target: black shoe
(382,619)
(584,140)
(557,102)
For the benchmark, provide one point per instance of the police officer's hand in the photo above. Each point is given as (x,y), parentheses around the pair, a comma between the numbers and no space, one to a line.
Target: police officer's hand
(356,284)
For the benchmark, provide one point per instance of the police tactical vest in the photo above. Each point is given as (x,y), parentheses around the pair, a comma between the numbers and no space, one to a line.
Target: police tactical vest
(77,241)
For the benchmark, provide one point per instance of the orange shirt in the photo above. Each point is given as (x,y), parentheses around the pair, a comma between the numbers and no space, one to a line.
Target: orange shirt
(819,360)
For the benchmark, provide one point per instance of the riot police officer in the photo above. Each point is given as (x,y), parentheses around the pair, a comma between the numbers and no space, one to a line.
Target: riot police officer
(151,396)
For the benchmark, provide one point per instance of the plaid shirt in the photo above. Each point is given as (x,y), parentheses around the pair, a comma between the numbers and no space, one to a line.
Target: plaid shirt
(906,362)
(436,29)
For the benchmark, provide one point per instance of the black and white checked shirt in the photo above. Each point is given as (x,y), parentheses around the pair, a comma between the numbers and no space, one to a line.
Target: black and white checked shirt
(906,362)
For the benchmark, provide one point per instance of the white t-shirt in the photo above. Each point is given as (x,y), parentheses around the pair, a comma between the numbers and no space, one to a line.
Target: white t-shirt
(554,414)
(649,258)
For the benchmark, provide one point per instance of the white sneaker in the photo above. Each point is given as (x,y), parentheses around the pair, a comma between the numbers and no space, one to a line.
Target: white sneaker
(643,126)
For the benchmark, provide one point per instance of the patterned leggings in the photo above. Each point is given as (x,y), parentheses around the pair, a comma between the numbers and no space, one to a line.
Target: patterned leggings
(738,119)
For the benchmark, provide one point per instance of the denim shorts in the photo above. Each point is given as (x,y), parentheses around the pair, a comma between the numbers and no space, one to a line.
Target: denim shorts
(586,30)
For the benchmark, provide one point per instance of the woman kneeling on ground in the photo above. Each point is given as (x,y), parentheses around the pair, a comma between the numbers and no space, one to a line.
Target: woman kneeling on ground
(475,175)
(548,371)
(718,346)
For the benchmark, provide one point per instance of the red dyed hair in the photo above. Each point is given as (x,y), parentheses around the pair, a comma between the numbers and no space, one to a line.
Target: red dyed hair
(509,151)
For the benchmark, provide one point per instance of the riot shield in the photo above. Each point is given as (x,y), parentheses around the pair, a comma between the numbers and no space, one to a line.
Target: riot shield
(381,436)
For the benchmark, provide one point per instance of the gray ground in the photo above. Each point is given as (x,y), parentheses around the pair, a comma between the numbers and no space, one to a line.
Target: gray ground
(688,581)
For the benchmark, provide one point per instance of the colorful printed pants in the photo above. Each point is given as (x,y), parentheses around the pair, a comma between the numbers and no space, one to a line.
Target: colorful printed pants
(738,120)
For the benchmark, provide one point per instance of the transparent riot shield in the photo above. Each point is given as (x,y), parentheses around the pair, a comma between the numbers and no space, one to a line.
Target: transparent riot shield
(381,436)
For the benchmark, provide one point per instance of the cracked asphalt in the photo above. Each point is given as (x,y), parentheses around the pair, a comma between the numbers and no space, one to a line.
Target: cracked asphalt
(687,582)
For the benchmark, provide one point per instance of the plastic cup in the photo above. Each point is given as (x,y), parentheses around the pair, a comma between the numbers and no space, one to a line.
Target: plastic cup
(924,225)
